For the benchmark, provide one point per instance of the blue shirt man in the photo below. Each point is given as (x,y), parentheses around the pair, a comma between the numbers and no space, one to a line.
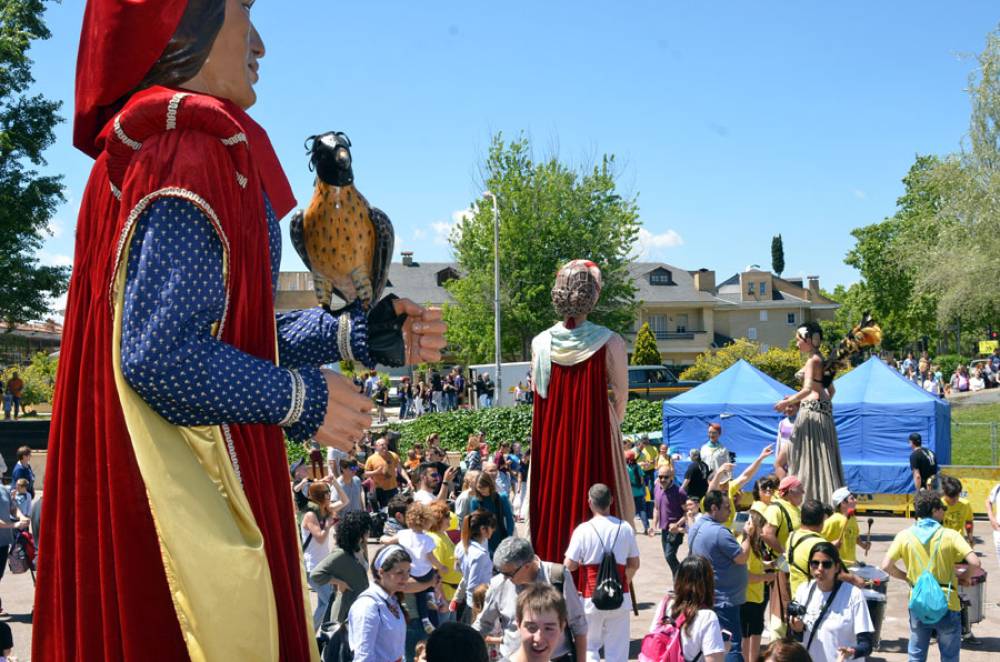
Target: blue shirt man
(710,538)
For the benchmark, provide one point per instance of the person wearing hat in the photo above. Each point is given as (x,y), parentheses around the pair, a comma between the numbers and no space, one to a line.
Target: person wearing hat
(171,397)
(841,528)
(782,516)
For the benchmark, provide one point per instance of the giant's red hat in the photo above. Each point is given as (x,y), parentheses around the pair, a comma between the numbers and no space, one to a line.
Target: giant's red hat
(120,42)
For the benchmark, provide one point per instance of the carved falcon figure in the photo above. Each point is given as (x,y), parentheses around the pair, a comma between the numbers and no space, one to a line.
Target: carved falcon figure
(345,242)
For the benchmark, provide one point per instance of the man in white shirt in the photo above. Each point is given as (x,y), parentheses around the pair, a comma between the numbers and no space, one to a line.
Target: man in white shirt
(590,541)
(713,453)
(432,485)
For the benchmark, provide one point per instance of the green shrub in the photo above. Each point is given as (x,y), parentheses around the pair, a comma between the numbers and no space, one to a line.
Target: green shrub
(645,351)
(948,363)
(499,424)
(642,416)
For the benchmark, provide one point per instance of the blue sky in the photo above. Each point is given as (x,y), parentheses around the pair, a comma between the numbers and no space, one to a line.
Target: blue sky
(732,121)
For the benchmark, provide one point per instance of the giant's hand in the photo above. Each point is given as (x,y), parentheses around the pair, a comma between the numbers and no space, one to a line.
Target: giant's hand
(423,332)
(348,414)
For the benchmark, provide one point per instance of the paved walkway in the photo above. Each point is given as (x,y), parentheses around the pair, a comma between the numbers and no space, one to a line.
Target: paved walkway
(653,580)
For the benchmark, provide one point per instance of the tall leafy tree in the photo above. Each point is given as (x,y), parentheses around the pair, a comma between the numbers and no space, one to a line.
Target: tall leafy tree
(27,200)
(550,213)
(961,239)
(888,286)
(777,254)
(645,351)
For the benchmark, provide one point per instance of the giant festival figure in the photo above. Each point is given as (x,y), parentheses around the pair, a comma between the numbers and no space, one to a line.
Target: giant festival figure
(170,530)
(576,429)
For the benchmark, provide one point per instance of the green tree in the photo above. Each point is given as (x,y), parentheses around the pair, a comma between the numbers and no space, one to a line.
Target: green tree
(27,200)
(777,254)
(645,352)
(888,287)
(39,379)
(781,364)
(961,238)
(549,214)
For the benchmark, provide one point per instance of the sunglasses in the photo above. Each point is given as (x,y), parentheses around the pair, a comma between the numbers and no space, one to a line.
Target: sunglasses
(826,565)
(510,575)
(663,477)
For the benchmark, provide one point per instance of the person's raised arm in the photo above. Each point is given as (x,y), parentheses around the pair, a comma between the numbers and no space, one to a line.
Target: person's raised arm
(342,499)
(750,471)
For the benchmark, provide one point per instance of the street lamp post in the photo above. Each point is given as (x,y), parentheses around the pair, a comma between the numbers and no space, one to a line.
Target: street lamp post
(496,290)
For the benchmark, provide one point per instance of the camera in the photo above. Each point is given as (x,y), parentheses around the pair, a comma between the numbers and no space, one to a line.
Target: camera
(732,456)
(796,610)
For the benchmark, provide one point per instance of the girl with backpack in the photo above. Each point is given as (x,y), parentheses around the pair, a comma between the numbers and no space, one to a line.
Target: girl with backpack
(686,628)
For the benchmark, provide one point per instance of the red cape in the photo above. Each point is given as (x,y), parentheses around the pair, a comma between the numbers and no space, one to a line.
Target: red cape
(570,451)
(102,593)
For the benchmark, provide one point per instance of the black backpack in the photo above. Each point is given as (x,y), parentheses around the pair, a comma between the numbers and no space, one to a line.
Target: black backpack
(608,592)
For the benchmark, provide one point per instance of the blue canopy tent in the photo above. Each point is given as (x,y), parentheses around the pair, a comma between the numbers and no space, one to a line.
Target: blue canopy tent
(741,399)
(875,410)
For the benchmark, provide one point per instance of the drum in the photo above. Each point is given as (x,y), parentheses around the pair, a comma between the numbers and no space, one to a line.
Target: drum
(876,609)
(973,597)
(876,578)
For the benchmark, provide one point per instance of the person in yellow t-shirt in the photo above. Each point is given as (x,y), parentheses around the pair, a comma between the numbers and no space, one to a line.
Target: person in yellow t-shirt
(760,576)
(383,468)
(664,459)
(763,492)
(783,517)
(722,481)
(444,548)
(927,544)
(957,510)
(802,540)
(783,514)
(841,528)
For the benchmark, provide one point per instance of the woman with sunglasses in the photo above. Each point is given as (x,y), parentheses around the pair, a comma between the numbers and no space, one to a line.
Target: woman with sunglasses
(836,624)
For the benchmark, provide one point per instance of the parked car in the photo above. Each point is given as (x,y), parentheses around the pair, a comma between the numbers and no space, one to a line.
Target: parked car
(656,382)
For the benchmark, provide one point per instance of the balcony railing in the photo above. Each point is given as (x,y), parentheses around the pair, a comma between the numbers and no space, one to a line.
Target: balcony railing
(673,335)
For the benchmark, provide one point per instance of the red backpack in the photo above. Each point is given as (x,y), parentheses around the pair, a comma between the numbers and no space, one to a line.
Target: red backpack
(663,644)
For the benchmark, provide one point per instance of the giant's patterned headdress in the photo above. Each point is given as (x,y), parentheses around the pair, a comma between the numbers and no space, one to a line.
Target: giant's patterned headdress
(577,289)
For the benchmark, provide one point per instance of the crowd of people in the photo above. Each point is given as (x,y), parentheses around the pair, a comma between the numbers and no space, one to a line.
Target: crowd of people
(425,394)
(452,570)
(927,374)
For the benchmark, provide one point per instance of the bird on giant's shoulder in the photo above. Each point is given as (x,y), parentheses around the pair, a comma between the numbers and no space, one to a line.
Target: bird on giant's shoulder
(347,245)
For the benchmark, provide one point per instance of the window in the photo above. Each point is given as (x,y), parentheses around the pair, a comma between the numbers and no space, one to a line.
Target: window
(764,347)
(791,318)
(750,289)
(658,324)
(661,277)
(763,288)
(752,333)
(682,323)
(763,316)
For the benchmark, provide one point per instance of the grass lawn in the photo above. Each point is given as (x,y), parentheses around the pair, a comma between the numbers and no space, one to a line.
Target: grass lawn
(970,444)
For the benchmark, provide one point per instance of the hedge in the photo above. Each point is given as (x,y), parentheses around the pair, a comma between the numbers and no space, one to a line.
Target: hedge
(499,423)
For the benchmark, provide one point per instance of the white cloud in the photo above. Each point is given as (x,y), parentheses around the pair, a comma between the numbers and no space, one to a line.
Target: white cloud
(420,233)
(443,229)
(54,259)
(651,245)
(55,228)
(859,194)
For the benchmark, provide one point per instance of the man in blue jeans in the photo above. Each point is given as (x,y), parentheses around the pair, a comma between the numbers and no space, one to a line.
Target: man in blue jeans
(710,538)
(928,545)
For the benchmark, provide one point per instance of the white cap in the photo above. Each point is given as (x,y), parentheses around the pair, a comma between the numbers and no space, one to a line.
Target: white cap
(840,495)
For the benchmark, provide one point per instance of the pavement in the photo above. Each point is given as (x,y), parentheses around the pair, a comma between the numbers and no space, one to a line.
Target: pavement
(652,582)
